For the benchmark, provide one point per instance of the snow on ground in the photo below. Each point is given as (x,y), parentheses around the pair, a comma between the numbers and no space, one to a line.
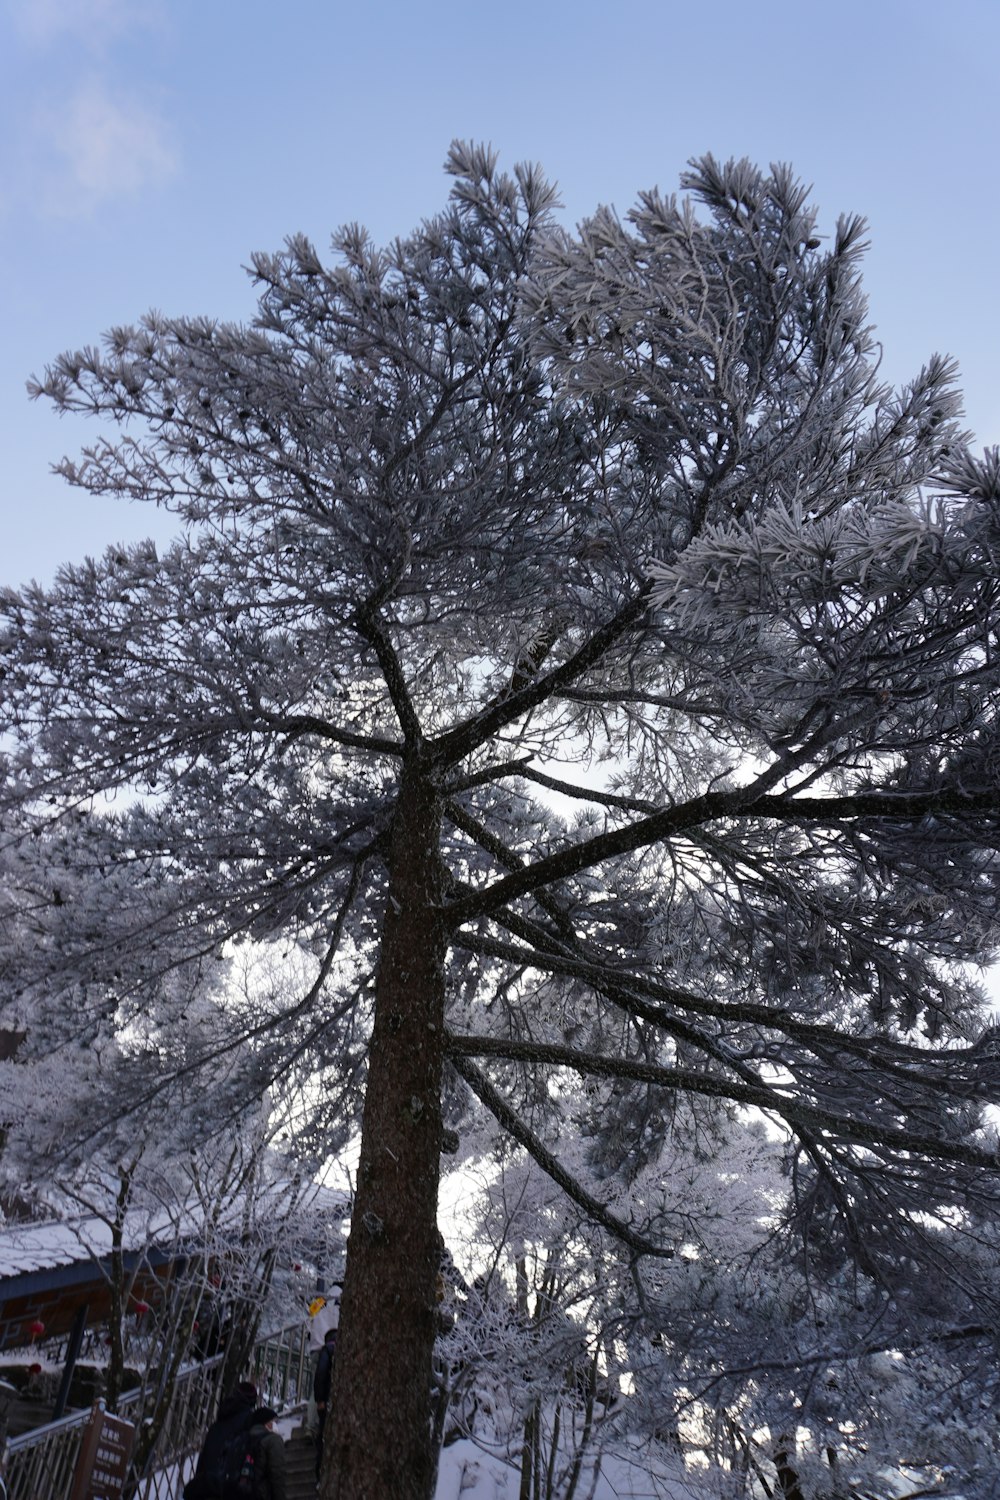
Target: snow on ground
(466,1472)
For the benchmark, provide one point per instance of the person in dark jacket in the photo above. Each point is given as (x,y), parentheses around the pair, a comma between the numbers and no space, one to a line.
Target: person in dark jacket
(273,1481)
(322,1381)
(236,1414)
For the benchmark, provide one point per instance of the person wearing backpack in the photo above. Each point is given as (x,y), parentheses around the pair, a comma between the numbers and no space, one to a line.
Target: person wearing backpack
(257,1470)
(230,1426)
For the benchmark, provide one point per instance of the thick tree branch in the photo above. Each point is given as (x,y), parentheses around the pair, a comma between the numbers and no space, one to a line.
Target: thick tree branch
(796,1115)
(298,726)
(515,1126)
(505,857)
(373,628)
(897,807)
(461,741)
(588,793)
(629,990)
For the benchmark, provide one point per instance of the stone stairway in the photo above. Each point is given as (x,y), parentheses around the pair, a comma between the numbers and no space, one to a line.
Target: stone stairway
(300,1459)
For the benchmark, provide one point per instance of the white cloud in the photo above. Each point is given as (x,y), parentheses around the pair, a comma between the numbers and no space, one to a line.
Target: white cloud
(82,138)
(105,147)
(43,22)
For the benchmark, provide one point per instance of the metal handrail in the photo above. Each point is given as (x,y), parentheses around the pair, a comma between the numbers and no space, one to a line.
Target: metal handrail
(27,1439)
(39,1465)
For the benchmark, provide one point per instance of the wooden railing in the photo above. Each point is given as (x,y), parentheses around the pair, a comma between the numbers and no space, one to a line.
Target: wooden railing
(39,1465)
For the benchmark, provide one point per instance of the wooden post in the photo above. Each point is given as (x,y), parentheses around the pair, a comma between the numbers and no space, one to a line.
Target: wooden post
(72,1355)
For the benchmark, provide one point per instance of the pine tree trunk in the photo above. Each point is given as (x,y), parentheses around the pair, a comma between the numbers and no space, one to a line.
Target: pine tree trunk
(378,1439)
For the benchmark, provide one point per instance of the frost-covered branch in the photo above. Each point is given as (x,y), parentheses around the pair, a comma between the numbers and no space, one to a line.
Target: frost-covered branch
(514,1124)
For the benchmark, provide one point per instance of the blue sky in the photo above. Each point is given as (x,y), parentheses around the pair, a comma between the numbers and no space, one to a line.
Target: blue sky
(148,146)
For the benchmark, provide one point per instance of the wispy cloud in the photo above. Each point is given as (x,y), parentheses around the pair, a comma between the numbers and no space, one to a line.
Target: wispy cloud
(104,146)
(44,22)
(79,135)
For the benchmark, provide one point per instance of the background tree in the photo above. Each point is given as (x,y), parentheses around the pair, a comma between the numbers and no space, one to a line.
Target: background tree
(149,1122)
(520,1363)
(575,650)
(746,1348)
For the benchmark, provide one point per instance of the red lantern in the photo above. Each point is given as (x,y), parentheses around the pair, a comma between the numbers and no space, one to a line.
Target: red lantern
(35,1369)
(141,1308)
(36,1329)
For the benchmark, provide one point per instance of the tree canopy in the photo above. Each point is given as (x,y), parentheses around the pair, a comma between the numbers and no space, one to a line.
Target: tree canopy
(578,655)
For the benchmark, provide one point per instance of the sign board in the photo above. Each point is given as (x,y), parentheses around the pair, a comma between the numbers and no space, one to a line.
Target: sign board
(104,1455)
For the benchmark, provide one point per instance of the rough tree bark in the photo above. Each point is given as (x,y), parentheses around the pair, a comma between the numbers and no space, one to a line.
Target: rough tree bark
(382,1380)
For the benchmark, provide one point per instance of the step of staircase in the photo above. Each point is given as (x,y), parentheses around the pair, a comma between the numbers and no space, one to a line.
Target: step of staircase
(300,1465)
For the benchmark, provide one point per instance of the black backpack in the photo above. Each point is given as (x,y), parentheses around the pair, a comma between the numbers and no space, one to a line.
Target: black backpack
(244,1478)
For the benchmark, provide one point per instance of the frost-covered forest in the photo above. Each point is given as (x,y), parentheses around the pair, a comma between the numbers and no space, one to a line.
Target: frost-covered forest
(560,747)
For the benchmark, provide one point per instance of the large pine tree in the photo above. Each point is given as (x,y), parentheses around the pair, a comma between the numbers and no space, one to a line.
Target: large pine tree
(574,649)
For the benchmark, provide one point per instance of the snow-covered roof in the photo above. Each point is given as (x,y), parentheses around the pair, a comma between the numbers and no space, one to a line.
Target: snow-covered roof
(27,1247)
(41,1247)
